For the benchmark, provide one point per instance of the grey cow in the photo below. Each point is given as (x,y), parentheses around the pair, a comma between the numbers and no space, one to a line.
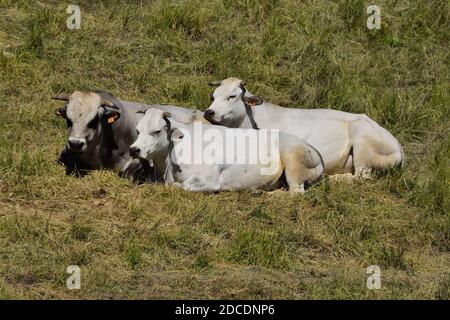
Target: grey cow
(100,130)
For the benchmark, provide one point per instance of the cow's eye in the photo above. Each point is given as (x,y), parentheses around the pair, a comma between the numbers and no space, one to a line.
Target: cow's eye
(68,122)
(231,97)
(93,123)
(155,133)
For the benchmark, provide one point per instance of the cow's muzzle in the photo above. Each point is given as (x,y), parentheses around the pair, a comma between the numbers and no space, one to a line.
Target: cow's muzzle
(208,114)
(135,152)
(76,145)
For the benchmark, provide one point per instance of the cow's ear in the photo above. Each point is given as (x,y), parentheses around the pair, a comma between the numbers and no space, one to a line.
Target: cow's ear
(111,116)
(177,134)
(253,101)
(61,112)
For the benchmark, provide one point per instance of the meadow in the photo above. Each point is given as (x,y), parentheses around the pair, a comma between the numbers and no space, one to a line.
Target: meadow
(153,241)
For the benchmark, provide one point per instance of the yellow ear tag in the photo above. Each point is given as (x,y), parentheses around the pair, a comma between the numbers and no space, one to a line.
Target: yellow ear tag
(111,119)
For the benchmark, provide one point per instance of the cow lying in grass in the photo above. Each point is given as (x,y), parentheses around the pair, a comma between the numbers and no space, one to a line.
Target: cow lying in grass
(348,143)
(180,156)
(100,130)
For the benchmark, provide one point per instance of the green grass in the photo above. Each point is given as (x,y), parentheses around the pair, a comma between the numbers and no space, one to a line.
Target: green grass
(152,241)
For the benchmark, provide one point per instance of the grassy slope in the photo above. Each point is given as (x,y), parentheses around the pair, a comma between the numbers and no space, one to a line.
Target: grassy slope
(156,242)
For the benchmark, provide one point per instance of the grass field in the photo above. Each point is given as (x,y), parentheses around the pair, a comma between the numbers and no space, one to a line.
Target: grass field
(152,241)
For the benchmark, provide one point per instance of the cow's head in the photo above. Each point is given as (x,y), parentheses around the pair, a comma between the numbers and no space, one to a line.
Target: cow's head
(86,113)
(153,130)
(229,102)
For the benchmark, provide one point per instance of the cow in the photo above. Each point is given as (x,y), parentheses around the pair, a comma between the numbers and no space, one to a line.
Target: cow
(349,143)
(171,145)
(100,130)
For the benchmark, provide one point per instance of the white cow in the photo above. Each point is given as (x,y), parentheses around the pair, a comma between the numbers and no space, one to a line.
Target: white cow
(179,153)
(348,143)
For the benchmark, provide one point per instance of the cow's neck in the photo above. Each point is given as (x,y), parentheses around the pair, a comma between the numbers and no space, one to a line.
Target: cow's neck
(264,116)
(250,115)
(164,165)
(251,119)
(107,145)
(172,169)
(92,155)
(164,168)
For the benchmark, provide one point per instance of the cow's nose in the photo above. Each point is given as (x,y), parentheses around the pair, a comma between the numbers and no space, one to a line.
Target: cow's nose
(135,151)
(76,145)
(209,113)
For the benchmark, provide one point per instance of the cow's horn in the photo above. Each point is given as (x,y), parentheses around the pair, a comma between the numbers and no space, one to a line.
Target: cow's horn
(215,83)
(166,115)
(108,103)
(62,96)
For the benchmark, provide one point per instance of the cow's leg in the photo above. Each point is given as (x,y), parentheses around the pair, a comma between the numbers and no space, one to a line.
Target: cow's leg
(342,177)
(365,173)
(177,185)
(294,169)
(138,171)
(129,169)
(195,183)
(297,189)
(369,154)
(373,147)
(275,192)
(363,153)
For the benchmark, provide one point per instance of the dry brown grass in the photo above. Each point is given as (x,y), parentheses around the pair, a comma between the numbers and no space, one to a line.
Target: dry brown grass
(152,241)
